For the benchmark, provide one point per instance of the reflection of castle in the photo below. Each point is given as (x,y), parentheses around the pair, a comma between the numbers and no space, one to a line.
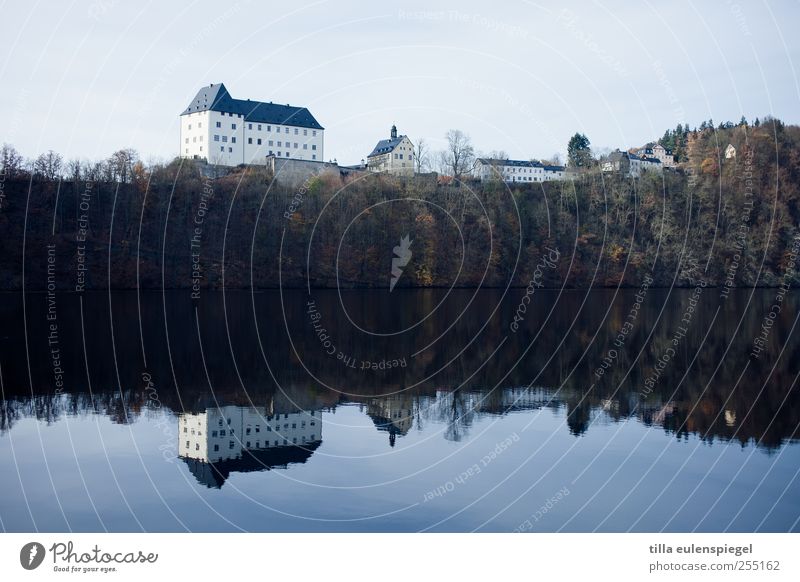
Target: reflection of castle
(393,414)
(222,440)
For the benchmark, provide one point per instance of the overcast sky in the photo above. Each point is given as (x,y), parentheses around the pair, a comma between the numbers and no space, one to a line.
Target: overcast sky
(88,77)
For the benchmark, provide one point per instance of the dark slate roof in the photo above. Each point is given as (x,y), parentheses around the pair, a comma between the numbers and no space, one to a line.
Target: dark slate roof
(216,98)
(618,154)
(520,164)
(386,145)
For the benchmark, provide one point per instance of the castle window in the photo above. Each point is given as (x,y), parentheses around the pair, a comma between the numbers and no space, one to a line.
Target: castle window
(259,141)
(216,448)
(270,143)
(295,131)
(225,138)
(305,132)
(249,126)
(233,140)
(305,146)
(250,140)
(233,126)
(230,150)
(286,130)
(230,445)
(222,148)
(314,132)
(314,157)
(219,124)
(216,137)
(190,126)
(269,128)
(259,127)
(314,146)
(279,144)
(295,145)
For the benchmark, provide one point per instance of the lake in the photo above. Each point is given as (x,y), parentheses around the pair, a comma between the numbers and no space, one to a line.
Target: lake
(411,410)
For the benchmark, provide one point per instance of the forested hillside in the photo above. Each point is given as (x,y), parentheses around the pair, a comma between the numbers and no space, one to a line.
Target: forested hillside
(714,218)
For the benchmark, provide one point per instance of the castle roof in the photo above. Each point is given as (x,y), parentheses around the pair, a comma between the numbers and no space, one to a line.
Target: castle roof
(386,145)
(215,97)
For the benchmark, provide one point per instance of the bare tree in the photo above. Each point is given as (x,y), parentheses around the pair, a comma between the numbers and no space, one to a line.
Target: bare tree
(49,165)
(422,155)
(74,170)
(11,162)
(121,163)
(498,155)
(459,154)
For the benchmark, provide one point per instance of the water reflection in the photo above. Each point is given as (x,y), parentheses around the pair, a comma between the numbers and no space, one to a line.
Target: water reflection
(231,392)
(218,441)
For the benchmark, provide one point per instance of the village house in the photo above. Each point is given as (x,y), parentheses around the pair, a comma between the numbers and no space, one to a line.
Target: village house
(516,171)
(630,165)
(659,152)
(394,155)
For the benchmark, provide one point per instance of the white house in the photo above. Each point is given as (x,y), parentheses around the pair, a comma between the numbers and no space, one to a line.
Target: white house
(516,171)
(730,152)
(225,131)
(659,152)
(394,155)
(630,165)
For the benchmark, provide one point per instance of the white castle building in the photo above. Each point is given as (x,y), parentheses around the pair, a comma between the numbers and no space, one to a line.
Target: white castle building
(516,170)
(225,131)
(229,432)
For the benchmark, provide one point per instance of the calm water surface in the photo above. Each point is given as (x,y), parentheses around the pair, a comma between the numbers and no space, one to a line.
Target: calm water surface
(415,410)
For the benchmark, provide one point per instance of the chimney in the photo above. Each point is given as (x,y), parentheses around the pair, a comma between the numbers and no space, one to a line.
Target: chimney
(393,134)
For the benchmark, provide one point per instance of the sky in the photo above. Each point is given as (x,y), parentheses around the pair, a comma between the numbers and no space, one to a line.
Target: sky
(88,77)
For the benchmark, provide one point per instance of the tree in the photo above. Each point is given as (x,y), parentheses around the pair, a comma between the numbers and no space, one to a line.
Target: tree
(421,154)
(554,160)
(74,170)
(578,153)
(459,155)
(48,166)
(11,162)
(121,164)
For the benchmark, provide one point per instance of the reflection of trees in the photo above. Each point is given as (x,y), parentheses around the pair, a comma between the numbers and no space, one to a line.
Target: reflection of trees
(456,409)
(705,405)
